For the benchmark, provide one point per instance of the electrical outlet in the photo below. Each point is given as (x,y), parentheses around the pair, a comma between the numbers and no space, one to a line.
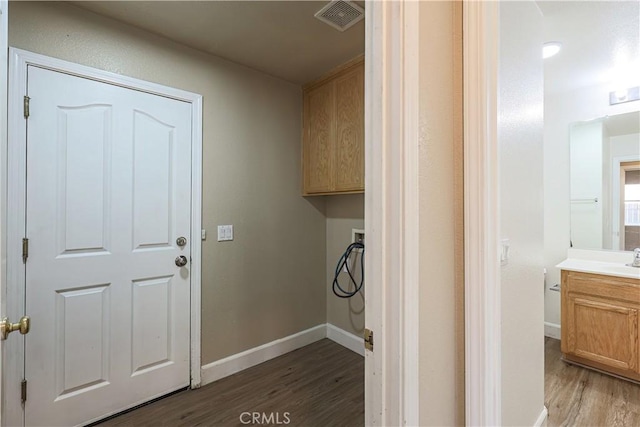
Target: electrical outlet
(357,235)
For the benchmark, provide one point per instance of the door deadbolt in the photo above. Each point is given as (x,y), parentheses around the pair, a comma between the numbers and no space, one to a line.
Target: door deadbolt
(6,327)
(181,241)
(181,261)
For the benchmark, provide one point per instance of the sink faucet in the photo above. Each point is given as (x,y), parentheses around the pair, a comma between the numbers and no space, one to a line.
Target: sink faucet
(636,258)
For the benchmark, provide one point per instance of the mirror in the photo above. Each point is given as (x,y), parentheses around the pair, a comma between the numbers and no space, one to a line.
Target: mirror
(605,182)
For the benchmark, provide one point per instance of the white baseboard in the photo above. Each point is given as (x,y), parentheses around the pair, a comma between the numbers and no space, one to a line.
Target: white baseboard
(542,418)
(552,330)
(230,365)
(345,339)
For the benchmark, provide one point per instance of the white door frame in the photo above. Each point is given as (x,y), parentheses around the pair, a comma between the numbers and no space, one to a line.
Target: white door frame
(16,185)
(391,212)
(617,215)
(483,345)
(4,68)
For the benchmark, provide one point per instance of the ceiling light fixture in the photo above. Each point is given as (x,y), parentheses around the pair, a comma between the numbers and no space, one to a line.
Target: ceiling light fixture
(550,48)
(624,95)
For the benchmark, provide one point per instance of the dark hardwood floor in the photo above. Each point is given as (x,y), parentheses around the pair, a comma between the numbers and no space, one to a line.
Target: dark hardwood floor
(321,385)
(577,396)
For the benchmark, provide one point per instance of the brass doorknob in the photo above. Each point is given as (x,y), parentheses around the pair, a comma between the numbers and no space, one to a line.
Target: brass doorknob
(181,261)
(6,327)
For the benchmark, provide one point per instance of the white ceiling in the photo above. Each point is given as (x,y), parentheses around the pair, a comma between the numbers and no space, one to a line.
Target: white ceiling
(596,36)
(280,38)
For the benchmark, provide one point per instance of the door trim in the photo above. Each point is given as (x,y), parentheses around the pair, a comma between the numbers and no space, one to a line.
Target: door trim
(391,212)
(617,214)
(4,62)
(16,188)
(483,344)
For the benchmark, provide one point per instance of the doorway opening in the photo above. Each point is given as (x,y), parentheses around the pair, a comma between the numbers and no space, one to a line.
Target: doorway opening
(590,138)
(630,205)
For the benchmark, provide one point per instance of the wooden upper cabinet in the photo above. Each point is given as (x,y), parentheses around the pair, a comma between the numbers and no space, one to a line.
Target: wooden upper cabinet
(318,152)
(333,132)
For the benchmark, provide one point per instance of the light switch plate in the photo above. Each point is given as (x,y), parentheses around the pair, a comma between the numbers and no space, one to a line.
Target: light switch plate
(203,234)
(225,233)
(504,252)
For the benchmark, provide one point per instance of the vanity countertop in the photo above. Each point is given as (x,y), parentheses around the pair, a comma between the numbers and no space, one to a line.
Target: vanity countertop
(599,267)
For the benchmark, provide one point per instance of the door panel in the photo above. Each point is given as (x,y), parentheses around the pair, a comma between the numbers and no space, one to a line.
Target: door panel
(603,332)
(320,134)
(83,202)
(151,308)
(108,193)
(153,145)
(349,137)
(82,356)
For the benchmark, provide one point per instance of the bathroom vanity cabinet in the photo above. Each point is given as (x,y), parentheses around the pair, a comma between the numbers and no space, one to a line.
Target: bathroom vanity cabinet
(599,316)
(333,132)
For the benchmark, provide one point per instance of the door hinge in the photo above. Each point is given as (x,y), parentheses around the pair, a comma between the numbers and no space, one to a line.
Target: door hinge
(368,339)
(23,390)
(26,106)
(25,250)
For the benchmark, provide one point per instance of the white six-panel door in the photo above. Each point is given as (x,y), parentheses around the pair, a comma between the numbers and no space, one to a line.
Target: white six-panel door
(108,194)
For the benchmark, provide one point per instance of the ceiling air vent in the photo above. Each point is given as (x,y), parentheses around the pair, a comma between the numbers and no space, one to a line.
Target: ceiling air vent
(340,14)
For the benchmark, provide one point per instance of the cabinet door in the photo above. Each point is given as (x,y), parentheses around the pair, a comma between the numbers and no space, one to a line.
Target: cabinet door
(603,332)
(349,147)
(318,139)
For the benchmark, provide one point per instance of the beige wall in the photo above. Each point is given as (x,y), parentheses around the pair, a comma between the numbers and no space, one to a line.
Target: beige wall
(270,281)
(344,213)
(440,50)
